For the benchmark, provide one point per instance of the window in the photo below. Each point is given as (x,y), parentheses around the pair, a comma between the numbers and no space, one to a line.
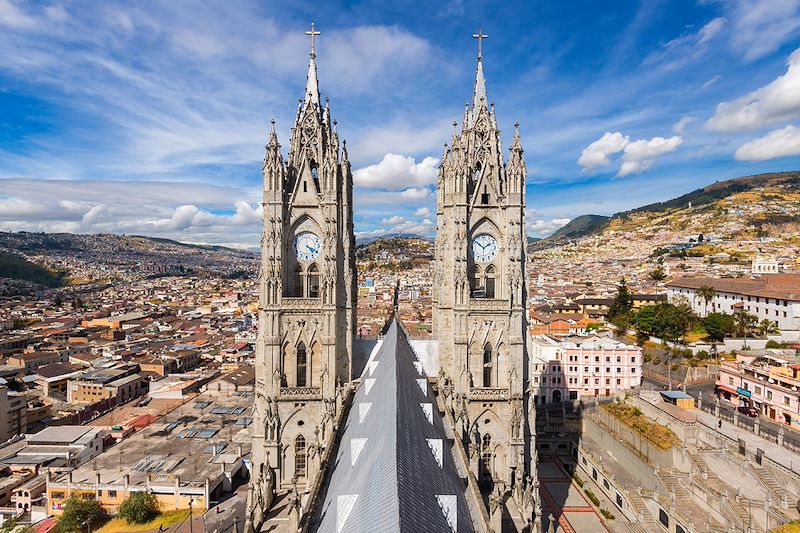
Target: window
(605,484)
(313,281)
(486,457)
(112,494)
(633,360)
(487,365)
(489,281)
(730,381)
(300,456)
(302,364)
(769,395)
(758,389)
(663,517)
(786,400)
(297,281)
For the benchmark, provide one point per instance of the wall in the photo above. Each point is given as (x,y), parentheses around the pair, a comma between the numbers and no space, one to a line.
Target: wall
(427,351)
(606,426)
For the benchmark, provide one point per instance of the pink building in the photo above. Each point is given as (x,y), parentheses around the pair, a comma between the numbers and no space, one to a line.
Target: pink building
(578,366)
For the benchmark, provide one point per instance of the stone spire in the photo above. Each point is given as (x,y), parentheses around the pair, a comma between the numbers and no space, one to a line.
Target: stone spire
(479,95)
(312,86)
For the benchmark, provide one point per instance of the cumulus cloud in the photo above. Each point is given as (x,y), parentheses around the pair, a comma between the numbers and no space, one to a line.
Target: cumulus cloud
(397,172)
(637,156)
(778,143)
(540,227)
(596,154)
(776,102)
(640,155)
(422,212)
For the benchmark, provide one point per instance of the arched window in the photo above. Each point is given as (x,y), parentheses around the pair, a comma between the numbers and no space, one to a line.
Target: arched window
(475,281)
(486,457)
(488,365)
(300,456)
(477,173)
(489,281)
(302,365)
(313,281)
(297,281)
(315,173)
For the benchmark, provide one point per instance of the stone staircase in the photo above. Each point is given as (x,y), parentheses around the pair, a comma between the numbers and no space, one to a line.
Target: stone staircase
(769,481)
(674,485)
(702,466)
(645,517)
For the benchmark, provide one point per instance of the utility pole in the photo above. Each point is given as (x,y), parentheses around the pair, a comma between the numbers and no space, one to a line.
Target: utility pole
(190,514)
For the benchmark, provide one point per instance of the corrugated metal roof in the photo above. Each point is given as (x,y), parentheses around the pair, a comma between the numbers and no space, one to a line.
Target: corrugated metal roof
(394,471)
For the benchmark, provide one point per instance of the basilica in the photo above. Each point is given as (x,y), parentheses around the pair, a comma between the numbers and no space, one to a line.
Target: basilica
(394,433)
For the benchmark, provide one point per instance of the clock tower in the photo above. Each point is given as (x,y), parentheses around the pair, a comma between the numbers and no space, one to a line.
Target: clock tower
(480,296)
(307,292)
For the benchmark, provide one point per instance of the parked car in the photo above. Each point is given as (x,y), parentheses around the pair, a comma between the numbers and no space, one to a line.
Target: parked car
(749,411)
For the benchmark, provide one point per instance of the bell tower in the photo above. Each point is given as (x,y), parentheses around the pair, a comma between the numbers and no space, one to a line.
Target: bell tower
(480,296)
(307,291)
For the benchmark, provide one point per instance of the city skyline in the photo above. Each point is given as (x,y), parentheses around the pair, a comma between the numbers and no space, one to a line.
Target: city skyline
(154,123)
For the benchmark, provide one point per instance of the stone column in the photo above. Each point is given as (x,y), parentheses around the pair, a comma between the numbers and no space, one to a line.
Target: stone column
(716,407)
(736,418)
(756,426)
(781,432)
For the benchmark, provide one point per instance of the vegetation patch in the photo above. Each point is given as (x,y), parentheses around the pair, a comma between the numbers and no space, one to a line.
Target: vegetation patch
(661,436)
(607,514)
(165,520)
(17,267)
(590,494)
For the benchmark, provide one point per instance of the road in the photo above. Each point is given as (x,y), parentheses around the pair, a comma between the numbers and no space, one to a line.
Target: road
(726,409)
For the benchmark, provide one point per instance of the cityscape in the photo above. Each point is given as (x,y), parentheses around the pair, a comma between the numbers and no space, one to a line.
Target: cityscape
(341,353)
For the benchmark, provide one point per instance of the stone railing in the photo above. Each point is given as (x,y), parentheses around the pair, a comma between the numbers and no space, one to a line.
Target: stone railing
(487,304)
(300,303)
(488,393)
(301,393)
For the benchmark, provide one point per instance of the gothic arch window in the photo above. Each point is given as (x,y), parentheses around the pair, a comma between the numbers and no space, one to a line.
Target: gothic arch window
(485,196)
(488,365)
(489,281)
(300,456)
(312,281)
(476,174)
(302,365)
(315,173)
(486,457)
(475,279)
(297,281)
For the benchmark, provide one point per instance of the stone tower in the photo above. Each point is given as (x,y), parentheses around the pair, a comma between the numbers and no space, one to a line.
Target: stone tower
(307,301)
(480,296)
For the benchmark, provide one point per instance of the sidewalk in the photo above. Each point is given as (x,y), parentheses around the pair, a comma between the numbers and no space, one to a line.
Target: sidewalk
(778,454)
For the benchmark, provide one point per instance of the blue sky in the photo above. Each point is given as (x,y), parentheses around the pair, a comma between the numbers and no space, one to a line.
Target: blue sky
(151,118)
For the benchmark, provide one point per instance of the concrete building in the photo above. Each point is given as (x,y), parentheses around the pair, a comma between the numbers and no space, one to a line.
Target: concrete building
(768,380)
(30,361)
(13,413)
(574,367)
(57,447)
(123,384)
(774,297)
(196,452)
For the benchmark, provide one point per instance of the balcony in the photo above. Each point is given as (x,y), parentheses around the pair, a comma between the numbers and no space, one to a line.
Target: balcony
(488,393)
(300,393)
(489,304)
(288,302)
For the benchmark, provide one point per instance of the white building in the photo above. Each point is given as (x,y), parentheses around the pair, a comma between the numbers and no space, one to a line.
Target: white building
(581,366)
(773,297)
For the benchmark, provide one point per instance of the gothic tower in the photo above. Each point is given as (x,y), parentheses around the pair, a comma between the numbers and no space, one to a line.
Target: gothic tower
(480,296)
(307,292)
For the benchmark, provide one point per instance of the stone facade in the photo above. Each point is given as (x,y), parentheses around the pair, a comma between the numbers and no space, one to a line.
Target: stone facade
(306,302)
(480,296)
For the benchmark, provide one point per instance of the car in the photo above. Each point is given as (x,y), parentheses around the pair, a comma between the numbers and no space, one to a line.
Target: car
(749,411)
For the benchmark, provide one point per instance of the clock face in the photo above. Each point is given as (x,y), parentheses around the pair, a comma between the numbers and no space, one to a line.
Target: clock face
(307,246)
(484,248)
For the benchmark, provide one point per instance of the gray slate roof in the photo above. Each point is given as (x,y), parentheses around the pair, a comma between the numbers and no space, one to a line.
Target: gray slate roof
(394,471)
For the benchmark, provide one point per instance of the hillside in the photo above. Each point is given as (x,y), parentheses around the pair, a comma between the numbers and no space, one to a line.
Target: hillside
(586,225)
(14,266)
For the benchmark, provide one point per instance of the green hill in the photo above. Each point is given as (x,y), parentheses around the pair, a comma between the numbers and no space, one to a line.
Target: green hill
(15,266)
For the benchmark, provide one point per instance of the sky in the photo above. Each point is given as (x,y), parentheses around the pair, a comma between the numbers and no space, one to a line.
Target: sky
(150,118)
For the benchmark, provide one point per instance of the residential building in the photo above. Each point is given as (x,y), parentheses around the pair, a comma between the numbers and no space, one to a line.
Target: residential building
(57,447)
(30,361)
(13,418)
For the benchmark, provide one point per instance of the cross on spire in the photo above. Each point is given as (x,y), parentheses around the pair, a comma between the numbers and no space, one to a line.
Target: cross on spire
(480,36)
(312,33)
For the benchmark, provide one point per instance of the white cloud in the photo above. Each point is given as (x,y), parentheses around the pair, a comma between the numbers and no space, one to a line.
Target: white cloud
(540,227)
(422,212)
(680,126)
(393,221)
(778,143)
(776,102)
(638,156)
(759,27)
(710,30)
(14,18)
(396,172)
(596,154)
(711,81)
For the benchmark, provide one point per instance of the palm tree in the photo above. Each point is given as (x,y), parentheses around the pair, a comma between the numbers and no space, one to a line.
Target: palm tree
(707,293)
(768,327)
(745,322)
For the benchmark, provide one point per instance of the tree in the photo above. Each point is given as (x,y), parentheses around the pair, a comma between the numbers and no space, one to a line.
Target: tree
(707,293)
(768,327)
(139,508)
(657,275)
(620,309)
(78,514)
(718,326)
(745,323)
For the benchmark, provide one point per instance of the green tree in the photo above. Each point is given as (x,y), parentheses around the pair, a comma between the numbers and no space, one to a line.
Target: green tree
(139,508)
(718,326)
(77,515)
(768,327)
(707,293)
(745,323)
(620,309)
(657,275)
